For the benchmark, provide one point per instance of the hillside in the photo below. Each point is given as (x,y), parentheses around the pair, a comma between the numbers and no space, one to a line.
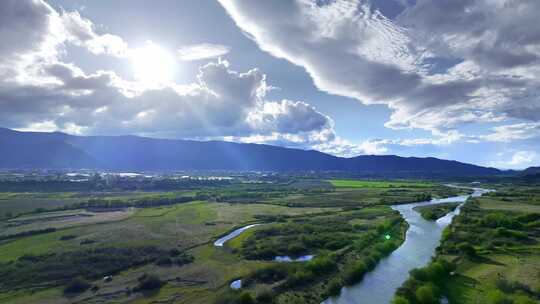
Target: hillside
(29,150)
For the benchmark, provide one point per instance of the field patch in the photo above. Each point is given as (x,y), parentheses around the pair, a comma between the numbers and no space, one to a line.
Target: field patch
(353,183)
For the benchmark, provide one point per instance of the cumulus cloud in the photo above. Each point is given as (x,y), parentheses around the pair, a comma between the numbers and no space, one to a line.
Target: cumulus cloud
(438,64)
(81,31)
(202,51)
(38,91)
(515,159)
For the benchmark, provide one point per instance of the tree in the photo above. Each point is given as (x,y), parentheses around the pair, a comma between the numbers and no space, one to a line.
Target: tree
(425,294)
(400,300)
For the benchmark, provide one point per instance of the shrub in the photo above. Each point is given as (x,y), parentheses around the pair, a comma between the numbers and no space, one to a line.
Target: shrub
(164,261)
(511,233)
(355,273)
(467,249)
(322,264)
(67,237)
(426,294)
(265,296)
(246,298)
(149,282)
(174,252)
(420,274)
(400,300)
(269,274)
(77,285)
(333,288)
(497,297)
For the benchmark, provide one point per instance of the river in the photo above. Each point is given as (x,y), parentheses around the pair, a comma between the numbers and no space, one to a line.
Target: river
(380,285)
(220,242)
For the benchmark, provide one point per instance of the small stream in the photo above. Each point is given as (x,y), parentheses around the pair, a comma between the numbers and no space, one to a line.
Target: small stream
(220,242)
(380,285)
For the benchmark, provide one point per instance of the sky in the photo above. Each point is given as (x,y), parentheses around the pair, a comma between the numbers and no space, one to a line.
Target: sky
(453,79)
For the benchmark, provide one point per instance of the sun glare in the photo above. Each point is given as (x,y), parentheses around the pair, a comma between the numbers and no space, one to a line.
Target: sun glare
(152,64)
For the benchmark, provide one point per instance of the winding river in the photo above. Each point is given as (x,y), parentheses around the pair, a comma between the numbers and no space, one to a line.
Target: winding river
(220,242)
(379,285)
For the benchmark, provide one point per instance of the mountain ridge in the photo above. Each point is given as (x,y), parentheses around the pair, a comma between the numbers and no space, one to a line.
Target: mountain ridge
(56,150)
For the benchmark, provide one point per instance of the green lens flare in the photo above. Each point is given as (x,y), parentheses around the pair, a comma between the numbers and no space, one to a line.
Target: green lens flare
(387,236)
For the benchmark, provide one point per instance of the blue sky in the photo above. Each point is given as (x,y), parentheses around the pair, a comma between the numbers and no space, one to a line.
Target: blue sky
(449,79)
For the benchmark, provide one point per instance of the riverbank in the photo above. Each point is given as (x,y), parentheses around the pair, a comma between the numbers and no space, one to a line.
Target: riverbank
(493,251)
(421,240)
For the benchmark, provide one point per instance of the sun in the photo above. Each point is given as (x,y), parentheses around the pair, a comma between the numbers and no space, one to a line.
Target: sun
(152,64)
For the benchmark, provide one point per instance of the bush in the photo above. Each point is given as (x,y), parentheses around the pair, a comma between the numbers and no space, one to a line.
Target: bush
(322,264)
(246,298)
(511,233)
(164,261)
(149,282)
(269,274)
(300,277)
(67,237)
(467,249)
(400,300)
(355,274)
(77,285)
(497,297)
(333,288)
(174,252)
(63,266)
(266,296)
(512,286)
(426,294)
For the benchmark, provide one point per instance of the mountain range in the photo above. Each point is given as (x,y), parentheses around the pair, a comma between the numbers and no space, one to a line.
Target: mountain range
(43,150)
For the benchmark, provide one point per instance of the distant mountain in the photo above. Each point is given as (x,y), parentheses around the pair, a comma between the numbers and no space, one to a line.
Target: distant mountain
(531,171)
(25,150)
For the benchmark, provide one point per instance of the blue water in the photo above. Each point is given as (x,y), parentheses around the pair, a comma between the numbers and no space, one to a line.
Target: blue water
(380,285)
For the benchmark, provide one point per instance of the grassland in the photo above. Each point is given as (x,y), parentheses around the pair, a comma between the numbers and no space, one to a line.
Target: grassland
(13,204)
(354,183)
(493,248)
(362,193)
(300,208)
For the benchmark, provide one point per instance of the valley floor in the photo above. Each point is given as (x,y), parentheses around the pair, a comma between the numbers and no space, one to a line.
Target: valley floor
(165,253)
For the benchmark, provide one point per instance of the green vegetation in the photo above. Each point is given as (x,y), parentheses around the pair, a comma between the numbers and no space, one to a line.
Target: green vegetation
(353,183)
(58,268)
(159,245)
(434,212)
(77,285)
(344,250)
(489,254)
(148,283)
(366,193)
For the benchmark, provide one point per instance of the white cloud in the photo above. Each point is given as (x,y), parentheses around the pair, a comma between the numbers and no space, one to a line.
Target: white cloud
(516,160)
(513,132)
(40,92)
(438,65)
(81,31)
(202,51)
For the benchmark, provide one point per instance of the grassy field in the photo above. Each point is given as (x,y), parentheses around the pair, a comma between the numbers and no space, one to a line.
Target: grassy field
(353,183)
(343,227)
(13,204)
(375,193)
